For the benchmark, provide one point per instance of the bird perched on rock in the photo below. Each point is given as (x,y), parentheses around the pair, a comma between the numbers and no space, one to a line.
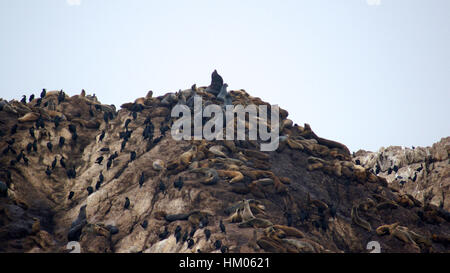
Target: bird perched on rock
(48,172)
(31,98)
(163,235)
(217,244)
(178,183)
(222,227)
(24,99)
(101,177)
(207,234)
(62,140)
(216,83)
(141,180)
(191,243)
(54,163)
(99,160)
(62,162)
(132,156)
(90,190)
(102,135)
(71,194)
(144,224)
(127,203)
(31,130)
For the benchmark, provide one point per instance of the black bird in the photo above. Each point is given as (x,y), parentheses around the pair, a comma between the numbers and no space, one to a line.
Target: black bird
(32,132)
(108,164)
(12,162)
(114,155)
(61,161)
(48,172)
(141,179)
(54,163)
(14,129)
(127,203)
(99,160)
(163,235)
(104,149)
(156,140)
(72,128)
(224,249)
(222,227)
(29,147)
(332,210)
(31,97)
(132,156)
(191,243)
(177,236)
(185,236)
(207,233)
(71,195)
(49,146)
(74,137)
(389,170)
(357,162)
(110,116)
(126,123)
(134,114)
(38,102)
(161,186)
(61,141)
(24,99)
(217,244)
(12,149)
(105,117)
(147,120)
(177,229)
(35,145)
(90,190)
(98,185)
(178,183)
(395,168)
(56,121)
(102,136)
(19,157)
(43,93)
(11,141)
(25,160)
(124,142)
(61,97)
(101,177)
(144,224)
(194,229)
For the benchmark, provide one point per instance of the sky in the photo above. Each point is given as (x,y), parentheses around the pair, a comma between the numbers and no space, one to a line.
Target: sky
(367,73)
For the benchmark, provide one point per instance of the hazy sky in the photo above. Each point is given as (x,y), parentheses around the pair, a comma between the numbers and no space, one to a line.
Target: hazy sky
(367,73)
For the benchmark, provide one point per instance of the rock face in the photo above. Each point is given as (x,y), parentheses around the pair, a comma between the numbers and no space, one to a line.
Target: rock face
(134,188)
(423,172)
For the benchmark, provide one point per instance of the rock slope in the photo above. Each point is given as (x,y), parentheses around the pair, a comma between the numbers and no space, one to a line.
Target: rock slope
(116,181)
(423,172)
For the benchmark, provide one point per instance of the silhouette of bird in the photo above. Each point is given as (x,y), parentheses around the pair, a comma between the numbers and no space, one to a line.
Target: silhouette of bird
(99,160)
(24,99)
(178,183)
(108,164)
(222,227)
(31,130)
(54,163)
(90,190)
(48,172)
(61,141)
(49,146)
(71,195)
(191,243)
(134,114)
(141,179)
(14,129)
(61,161)
(207,233)
(132,156)
(102,136)
(31,97)
(101,177)
(126,123)
(98,185)
(127,203)
(144,224)
(217,244)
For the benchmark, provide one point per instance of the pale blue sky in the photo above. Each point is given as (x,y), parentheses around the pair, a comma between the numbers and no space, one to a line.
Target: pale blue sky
(364,75)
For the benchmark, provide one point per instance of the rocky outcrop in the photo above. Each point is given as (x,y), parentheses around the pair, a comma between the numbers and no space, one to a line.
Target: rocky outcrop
(423,172)
(119,182)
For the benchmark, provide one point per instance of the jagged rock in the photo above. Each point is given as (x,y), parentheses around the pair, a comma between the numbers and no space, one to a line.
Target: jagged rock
(308,196)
